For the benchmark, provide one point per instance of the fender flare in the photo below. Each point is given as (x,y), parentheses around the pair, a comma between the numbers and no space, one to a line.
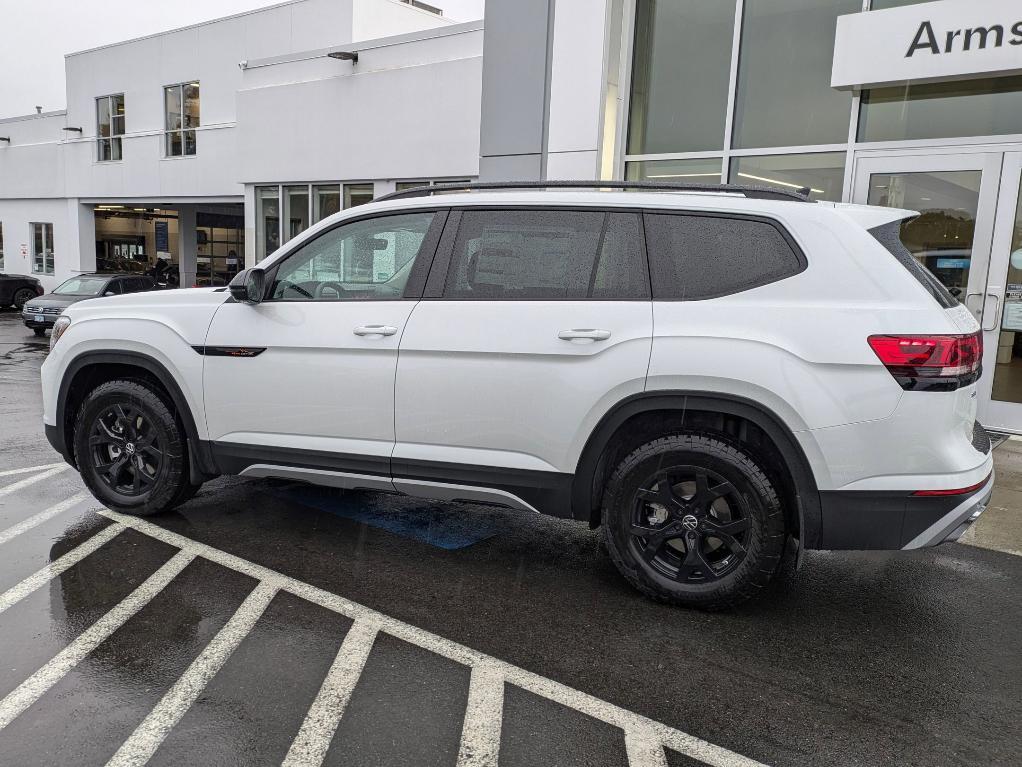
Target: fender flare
(806,491)
(200,460)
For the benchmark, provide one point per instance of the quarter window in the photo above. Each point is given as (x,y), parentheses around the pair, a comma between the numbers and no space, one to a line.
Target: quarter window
(529,255)
(109,126)
(364,260)
(695,257)
(181,104)
(42,248)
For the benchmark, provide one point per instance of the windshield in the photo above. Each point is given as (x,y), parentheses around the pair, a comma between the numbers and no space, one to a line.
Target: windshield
(82,286)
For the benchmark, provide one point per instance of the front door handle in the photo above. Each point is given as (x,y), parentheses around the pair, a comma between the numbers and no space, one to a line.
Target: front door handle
(375,330)
(584,335)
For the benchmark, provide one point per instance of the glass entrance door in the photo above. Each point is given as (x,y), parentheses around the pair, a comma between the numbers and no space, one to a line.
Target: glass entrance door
(1001,406)
(969,234)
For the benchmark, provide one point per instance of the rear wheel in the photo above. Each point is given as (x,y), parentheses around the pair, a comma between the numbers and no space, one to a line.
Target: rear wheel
(130,449)
(22,296)
(693,520)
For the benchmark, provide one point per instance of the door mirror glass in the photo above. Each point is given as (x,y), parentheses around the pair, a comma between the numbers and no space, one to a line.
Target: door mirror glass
(247,286)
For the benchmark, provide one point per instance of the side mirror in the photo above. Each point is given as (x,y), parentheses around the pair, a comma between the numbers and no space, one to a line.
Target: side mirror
(248,286)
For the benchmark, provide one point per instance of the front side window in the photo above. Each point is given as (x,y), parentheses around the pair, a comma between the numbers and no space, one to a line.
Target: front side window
(109,127)
(181,105)
(694,257)
(42,248)
(364,260)
(540,255)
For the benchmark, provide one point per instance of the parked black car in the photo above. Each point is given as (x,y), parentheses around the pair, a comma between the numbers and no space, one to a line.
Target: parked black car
(39,314)
(16,289)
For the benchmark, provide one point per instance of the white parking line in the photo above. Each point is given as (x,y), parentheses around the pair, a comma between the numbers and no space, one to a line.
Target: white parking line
(29,469)
(15,487)
(310,746)
(153,730)
(42,516)
(29,691)
(480,734)
(644,750)
(646,730)
(16,593)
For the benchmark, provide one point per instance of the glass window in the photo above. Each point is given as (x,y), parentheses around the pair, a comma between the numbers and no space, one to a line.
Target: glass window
(296,210)
(822,173)
(400,186)
(42,248)
(181,105)
(363,260)
(680,75)
(784,95)
(81,286)
(697,257)
(530,255)
(1007,386)
(326,201)
(987,107)
(941,236)
(675,171)
(109,126)
(267,221)
(357,194)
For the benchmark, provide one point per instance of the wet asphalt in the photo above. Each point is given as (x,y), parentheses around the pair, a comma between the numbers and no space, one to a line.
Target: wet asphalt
(856,659)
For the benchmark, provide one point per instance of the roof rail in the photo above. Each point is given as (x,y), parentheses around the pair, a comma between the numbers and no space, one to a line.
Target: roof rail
(752,192)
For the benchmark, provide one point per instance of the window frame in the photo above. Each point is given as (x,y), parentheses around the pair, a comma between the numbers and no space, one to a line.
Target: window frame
(114,138)
(436,285)
(775,223)
(167,131)
(416,279)
(47,240)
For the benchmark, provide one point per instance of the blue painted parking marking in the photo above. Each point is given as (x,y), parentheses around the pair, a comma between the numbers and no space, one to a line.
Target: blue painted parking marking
(445,526)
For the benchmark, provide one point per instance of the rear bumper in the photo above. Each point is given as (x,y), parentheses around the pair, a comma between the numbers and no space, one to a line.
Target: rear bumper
(897,520)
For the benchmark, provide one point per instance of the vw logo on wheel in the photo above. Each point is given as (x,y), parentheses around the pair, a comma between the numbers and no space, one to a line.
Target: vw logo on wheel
(689,522)
(130,448)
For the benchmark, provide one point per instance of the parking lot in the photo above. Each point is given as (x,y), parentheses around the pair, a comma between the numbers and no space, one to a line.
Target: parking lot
(272,623)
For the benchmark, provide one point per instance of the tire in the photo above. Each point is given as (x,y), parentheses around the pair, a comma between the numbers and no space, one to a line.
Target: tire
(22,296)
(699,489)
(130,450)
(39,332)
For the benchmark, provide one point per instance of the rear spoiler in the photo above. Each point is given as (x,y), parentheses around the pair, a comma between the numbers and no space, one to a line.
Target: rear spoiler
(872,216)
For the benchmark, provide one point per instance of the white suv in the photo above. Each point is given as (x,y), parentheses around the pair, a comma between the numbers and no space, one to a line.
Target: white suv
(704,372)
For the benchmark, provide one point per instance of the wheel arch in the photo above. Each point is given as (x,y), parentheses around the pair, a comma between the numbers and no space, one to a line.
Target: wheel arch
(94,367)
(586,493)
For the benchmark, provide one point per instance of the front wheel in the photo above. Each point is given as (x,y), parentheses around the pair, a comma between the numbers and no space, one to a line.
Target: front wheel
(130,449)
(693,520)
(39,332)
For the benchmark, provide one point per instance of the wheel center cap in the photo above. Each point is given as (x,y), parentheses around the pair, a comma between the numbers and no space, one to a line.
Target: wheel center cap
(129,448)
(689,522)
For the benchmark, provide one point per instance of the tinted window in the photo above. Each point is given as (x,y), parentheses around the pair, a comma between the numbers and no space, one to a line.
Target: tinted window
(114,287)
(369,259)
(889,235)
(547,255)
(695,257)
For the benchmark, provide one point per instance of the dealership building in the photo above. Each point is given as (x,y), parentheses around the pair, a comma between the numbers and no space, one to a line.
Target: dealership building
(210,146)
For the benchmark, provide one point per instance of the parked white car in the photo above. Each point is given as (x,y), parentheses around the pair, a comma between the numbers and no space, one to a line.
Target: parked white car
(704,372)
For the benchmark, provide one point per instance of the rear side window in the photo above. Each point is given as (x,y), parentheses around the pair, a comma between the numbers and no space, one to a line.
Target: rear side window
(694,257)
(543,255)
(889,235)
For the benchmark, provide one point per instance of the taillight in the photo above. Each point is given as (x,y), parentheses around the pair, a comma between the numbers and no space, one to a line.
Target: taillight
(956,491)
(931,363)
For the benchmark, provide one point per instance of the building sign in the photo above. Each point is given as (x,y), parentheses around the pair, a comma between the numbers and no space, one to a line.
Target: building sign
(162,237)
(928,42)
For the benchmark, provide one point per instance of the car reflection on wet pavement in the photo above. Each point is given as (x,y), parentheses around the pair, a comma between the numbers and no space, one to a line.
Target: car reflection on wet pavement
(272,623)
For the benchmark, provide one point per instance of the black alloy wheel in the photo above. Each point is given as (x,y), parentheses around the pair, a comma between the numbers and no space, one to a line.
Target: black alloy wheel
(22,296)
(131,450)
(126,450)
(693,519)
(690,524)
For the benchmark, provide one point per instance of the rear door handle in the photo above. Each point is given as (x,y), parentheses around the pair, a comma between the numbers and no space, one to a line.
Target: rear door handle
(375,330)
(584,335)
